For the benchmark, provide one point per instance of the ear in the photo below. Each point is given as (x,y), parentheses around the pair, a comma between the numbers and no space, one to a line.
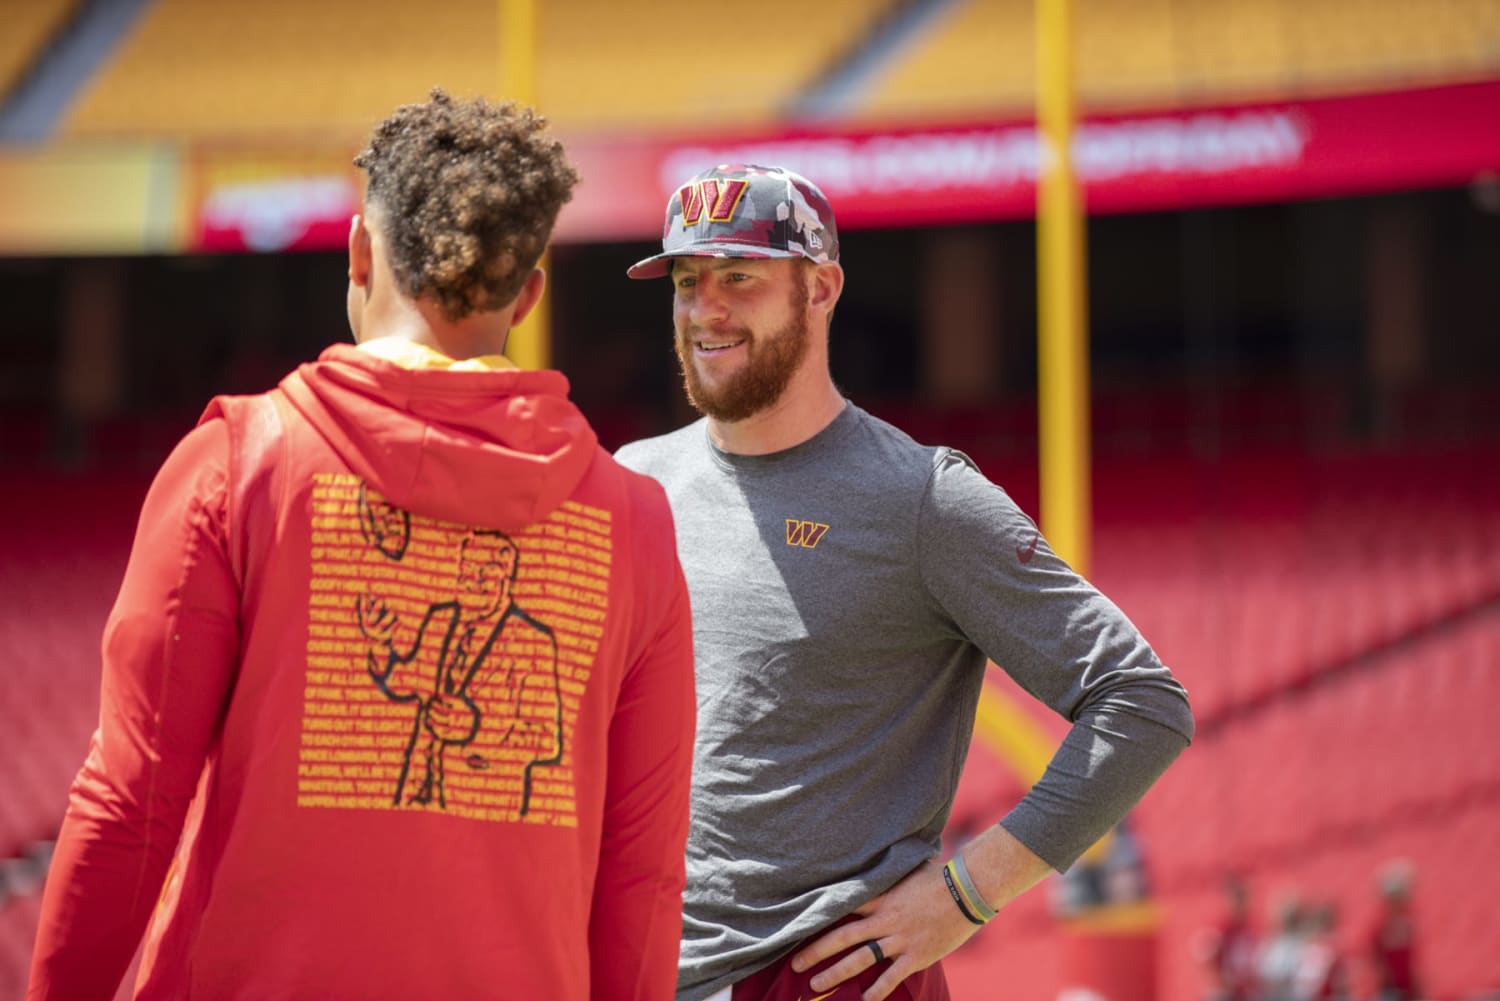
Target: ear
(529,296)
(360,255)
(827,286)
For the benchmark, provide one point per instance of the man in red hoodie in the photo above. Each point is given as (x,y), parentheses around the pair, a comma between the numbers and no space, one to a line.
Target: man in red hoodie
(397,692)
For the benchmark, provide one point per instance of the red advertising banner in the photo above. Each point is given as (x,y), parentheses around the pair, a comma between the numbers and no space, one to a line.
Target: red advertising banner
(1269,152)
(928,175)
(267,201)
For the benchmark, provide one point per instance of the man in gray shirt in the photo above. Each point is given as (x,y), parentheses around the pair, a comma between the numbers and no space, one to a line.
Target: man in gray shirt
(848,586)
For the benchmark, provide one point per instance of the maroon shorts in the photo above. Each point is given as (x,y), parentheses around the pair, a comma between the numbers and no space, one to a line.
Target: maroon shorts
(778,982)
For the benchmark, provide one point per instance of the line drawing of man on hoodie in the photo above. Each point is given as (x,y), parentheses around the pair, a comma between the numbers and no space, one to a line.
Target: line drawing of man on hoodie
(495,667)
(383,525)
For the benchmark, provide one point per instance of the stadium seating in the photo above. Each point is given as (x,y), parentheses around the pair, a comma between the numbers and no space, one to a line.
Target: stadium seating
(977,56)
(18,918)
(63,562)
(1316,790)
(282,67)
(1336,620)
(279,66)
(28,26)
(1350,555)
(606,65)
(1143,53)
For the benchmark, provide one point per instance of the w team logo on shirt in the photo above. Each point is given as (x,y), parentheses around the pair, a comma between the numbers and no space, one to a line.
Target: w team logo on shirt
(806,534)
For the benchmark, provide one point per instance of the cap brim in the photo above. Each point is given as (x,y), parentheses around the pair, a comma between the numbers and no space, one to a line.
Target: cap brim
(659,265)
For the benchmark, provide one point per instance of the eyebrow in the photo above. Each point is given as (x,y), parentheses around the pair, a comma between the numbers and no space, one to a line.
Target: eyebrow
(718,263)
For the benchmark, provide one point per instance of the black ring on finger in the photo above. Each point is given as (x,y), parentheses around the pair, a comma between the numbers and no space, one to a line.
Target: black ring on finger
(875,948)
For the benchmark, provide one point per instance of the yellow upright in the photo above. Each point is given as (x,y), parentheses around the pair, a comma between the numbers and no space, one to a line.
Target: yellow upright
(530,343)
(1062,309)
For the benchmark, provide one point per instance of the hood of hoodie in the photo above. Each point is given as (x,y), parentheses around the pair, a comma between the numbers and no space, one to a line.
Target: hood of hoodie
(495,448)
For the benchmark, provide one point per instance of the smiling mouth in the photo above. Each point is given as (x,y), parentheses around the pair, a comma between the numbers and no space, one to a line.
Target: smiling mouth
(710,347)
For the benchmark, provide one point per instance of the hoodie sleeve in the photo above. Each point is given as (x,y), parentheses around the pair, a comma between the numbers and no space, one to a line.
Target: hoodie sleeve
(635,929)
(169,652)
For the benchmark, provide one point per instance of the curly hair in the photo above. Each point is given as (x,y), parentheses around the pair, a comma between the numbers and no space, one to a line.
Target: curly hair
(468,192)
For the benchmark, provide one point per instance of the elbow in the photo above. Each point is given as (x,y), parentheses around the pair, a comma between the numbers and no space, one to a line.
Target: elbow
(1162,702)
(1177,715)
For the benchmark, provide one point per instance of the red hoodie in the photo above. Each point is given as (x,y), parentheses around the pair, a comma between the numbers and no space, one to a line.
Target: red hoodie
(399,685)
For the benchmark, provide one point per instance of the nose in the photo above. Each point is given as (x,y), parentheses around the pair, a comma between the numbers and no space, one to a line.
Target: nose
(706,304)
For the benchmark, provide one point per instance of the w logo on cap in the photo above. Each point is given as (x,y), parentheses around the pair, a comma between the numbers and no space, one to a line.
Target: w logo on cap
(720,196)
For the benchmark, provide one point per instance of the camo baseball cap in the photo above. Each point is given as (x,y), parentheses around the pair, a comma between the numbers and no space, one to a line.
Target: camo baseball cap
(744,210)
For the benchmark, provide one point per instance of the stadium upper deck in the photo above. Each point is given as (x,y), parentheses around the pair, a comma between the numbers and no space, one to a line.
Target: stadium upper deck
(28,25)
(1161,53)
(235,69)
(196,69)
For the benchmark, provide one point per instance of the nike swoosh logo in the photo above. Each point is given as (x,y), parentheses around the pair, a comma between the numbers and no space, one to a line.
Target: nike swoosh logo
(820,997)
(1025,555)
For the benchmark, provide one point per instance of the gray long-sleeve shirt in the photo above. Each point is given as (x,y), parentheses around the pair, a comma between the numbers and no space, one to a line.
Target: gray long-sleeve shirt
(846,594)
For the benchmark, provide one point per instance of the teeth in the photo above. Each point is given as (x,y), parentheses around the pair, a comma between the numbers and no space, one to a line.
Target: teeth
(716,345)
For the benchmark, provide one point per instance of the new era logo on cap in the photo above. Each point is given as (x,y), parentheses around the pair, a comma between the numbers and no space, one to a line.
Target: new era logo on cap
(744,210)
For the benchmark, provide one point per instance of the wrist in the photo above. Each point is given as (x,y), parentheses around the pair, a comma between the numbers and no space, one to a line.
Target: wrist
(966,896)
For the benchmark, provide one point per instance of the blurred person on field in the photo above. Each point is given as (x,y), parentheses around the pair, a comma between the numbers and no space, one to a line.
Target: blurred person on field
(1322,973)
(1281,953)
(848,587)
(1392,940)
(1231,950)
(246,802)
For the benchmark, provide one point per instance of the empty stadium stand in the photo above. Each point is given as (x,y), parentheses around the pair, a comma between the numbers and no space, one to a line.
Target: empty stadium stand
(29,24)
(1315,793)
(230,71)
(278,67)
(1345,721)
(67,547)
(191,69)
(610,66)
(1163,53)
(1335,618)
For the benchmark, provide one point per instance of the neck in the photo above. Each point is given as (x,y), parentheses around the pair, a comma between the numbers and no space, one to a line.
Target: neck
(809,404)
(423,322)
